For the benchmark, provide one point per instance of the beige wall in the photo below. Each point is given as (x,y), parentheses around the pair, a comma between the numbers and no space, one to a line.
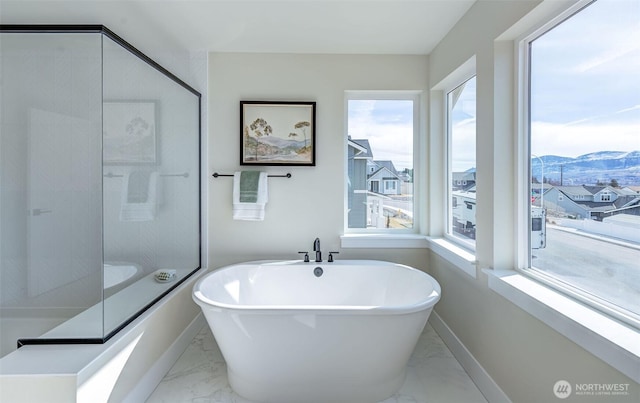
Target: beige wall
(524,356)
(311,203)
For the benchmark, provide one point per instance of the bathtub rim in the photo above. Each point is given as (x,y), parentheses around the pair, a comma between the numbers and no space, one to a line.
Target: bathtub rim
(116,263)
(206,303)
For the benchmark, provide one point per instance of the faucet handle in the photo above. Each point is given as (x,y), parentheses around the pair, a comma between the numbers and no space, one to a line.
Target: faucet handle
(306,256)
(330,259)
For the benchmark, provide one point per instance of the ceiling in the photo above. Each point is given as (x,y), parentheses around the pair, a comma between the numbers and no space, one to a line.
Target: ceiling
(286,26)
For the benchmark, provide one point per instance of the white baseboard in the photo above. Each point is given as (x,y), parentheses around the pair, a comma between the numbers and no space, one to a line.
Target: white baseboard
(488,387)
(152,378)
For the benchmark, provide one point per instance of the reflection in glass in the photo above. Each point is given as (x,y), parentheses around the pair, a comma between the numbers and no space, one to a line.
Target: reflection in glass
(462,161)
(99,178)
(150,186)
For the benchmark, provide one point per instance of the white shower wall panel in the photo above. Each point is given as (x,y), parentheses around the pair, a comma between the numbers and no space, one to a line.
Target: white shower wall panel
(50,106)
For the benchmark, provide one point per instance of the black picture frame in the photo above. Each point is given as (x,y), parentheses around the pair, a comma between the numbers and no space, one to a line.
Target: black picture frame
(130,132)
(277,133)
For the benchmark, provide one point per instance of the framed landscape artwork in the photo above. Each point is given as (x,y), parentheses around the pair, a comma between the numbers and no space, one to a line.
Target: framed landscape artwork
(277,133)
(129,130)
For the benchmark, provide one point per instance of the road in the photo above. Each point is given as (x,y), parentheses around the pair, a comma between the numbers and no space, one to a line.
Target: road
(595,265)
(402,202)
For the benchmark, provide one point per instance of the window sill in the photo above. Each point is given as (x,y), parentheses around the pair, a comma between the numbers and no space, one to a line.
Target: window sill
(458,256)
(383,241)
(613,342)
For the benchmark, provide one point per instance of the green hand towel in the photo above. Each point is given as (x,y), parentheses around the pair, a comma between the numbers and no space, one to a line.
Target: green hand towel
(249,186)
(138,187)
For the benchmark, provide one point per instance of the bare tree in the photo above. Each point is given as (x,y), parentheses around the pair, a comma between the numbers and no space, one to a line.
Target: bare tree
(260,128)
(303,125)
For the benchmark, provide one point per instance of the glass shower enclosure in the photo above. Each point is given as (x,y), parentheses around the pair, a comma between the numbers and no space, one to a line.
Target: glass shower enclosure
(99,184)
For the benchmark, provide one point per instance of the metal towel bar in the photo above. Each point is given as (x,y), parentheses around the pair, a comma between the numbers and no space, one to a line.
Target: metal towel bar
(287,175)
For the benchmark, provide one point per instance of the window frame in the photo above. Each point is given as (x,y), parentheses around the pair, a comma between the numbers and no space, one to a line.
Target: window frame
(351,235)
(462,78)
(461,257)
(523,179)
(608,339)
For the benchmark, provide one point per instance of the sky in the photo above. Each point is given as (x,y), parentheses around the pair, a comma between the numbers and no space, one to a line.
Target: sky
(282,118)
(463,133)
(388,125)
(585,93)
(586,82)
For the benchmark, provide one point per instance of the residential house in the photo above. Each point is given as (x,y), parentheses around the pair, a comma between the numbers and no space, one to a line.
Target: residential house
(463,180)
(383,178)
(591,202)
(358,156)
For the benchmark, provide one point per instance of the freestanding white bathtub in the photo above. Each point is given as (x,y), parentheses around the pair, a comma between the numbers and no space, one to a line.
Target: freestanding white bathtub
(118,272)
(292,334)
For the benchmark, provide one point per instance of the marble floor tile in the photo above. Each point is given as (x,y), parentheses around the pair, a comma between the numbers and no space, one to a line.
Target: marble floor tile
(433,376)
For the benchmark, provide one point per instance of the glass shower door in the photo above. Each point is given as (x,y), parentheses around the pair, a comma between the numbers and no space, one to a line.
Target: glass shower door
(99,184)
(51,187)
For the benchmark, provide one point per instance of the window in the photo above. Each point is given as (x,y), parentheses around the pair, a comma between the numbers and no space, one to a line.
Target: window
(461,144)
(584,120)
(381,128)
(390,186)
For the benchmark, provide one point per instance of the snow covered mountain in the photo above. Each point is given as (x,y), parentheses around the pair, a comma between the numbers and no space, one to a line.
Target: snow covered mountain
(589,169)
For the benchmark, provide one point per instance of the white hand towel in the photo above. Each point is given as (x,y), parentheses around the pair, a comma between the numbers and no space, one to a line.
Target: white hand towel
(139,196)
(250,211)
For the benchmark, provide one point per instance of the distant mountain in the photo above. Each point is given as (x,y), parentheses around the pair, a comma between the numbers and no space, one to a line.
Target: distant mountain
(268,148)
(589,169)
(282,143)
(551,159)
